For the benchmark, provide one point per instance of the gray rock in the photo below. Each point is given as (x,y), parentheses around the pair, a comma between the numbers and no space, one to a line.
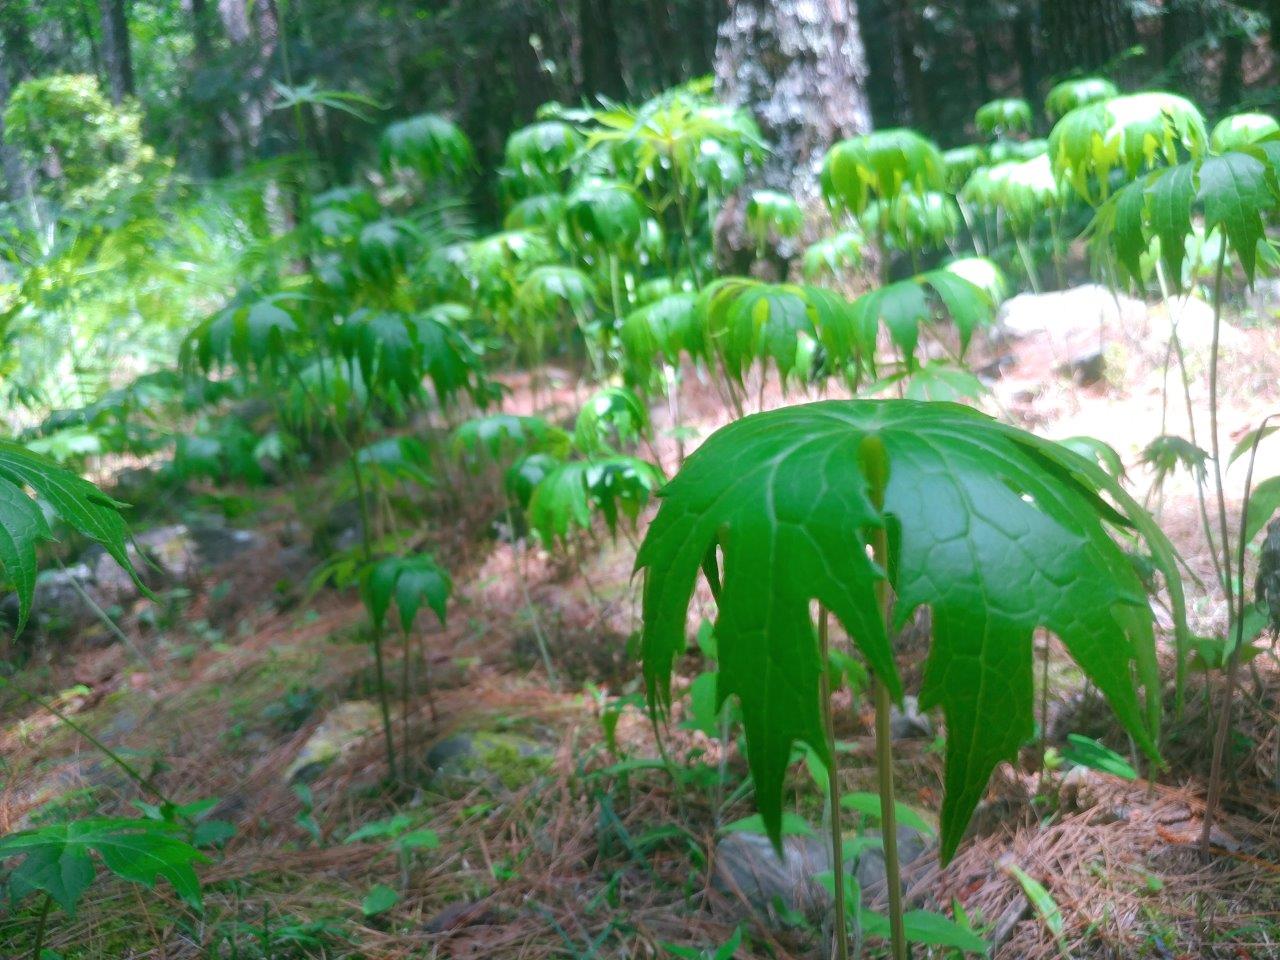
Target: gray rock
(1263,300)
(1068,316)
(57,606)
(746,865)
(216,544)
(488,758)
(912,845)
(909,723)
(342,728)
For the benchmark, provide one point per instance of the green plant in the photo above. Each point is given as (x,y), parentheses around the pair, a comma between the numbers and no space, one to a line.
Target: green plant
(1079,92)
(1128,134)
(881,166)
(1240,130)
(871,509)
(411,582)
(1000,118)
(57,861)
(770,213)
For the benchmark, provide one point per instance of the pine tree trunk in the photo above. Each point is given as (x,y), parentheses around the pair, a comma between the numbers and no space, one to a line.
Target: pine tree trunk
(15,66)
(799,66)
(1025,29)
(210,117)
(601,62)
(117,60)
(886,82)
(1086,34)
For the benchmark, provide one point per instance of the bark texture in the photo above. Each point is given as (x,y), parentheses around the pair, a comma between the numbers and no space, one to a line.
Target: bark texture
(800,67)
(117,57)
(1086,34)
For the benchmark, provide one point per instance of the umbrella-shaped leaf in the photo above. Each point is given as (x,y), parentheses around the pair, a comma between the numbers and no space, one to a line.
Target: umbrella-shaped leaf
(23,526)
(1241,130)
(1069,94)
(996,531)
(880,164)
(1127,134)
(500,436)
(57,860)
(1003,117)
(412,582)
(614,486)
(605,213)
(613,415)
(428,143)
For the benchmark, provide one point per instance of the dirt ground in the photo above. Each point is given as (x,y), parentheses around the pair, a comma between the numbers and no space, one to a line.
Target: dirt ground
(596,851)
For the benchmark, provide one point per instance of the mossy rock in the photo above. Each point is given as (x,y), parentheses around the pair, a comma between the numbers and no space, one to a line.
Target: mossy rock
(488,758)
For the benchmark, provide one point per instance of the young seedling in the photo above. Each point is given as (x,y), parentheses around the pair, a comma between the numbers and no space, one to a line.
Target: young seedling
(874,509)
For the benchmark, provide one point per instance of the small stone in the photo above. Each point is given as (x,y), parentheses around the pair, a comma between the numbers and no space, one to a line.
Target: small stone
(1086,369)
(487,757)
(341,730)
(909,723)
(746,865)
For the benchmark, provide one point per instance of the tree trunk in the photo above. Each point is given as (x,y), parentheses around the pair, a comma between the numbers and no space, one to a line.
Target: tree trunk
(210,117)
(117,60)
(918,92)
(15,66)
(886,82)
(800,68)
(1086,34)
(1231,80)
(1025,29)
(601,60)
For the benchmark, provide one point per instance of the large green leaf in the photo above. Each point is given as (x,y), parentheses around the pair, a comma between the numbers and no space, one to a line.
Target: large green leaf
(429,143)
(612,415)
(996,531)
(1235,190)
(502,436)
(56,857)
(566,495)
(412,582)
(749,321)
(23,526)
(880,164)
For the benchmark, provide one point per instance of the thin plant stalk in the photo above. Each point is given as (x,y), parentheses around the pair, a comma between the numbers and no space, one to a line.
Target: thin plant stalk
(833,790)
(1224,720)
(1024,254)
(41,926)
(672,379)
(875,466)
(1233,657)
(102,615)
(132,773)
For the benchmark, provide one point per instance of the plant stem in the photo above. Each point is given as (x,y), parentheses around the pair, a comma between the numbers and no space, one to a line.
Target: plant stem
(41,926)
(833,789)
(1025,255)
(889,820)
(139,778)
(1224,719)
(101,614)
(875,467)
(522,577)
